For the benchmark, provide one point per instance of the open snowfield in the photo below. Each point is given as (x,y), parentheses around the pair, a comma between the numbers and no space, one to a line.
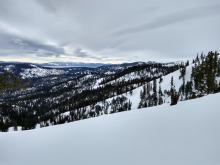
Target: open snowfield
(186,134)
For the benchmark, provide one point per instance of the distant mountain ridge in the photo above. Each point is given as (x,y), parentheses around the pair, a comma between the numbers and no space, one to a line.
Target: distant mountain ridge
(72,64)
(51,96)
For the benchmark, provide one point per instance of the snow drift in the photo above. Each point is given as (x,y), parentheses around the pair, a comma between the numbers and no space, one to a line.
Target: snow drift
(185,134)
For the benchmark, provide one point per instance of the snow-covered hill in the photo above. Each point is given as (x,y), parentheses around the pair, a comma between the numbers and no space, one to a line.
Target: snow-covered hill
(37,72)
(163,85)
(55,98)
(185,134)
(28,70)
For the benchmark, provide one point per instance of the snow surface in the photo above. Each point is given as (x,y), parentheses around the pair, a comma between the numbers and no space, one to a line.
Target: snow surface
(40,72)
(185,134)
(9,67)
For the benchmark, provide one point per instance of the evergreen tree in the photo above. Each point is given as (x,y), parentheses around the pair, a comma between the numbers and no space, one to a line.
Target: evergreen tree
(155,92)
(218,68)
(160,96)
(173,94)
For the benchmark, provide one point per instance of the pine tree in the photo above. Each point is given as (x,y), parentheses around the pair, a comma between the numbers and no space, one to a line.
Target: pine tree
(160,96)
(218,66)
(187,63)
(173,94)
(171,82)
(155,92)
(129,105)
(174,97)
(210,72)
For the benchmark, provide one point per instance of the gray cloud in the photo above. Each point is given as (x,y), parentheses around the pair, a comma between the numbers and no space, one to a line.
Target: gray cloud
(99,30)
(83,54)
(80,53)
(18,44)
(173,18)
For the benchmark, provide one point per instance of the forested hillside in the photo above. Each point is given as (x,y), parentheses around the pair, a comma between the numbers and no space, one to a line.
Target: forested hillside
(76,94)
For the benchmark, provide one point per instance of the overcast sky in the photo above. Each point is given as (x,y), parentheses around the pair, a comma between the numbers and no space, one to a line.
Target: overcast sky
(109,31)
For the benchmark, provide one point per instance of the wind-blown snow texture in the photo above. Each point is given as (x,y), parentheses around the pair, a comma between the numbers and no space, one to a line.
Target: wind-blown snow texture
(185,134)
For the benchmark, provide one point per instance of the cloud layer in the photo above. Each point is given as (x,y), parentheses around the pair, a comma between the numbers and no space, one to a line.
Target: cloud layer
(107,31)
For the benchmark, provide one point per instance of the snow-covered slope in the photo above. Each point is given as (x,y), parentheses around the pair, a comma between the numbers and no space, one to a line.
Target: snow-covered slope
(185,134)
(39,72)
(164,84)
